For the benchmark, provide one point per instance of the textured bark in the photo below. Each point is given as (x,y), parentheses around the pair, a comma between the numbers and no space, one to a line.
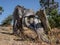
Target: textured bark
(46,27)
(41,35)
(17,19)
(44,20)
(27,31)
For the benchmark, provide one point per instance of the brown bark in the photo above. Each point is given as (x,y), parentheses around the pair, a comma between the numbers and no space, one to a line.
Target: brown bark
(44,20)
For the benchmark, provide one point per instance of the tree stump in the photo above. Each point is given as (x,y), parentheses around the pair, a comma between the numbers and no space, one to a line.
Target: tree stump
(44,20)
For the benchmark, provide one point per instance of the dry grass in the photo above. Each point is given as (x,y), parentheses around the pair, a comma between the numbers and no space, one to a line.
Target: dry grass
(7,39)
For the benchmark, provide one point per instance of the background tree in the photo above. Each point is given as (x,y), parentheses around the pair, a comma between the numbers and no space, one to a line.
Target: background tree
(51,8)
(49,5)
(54,18)
(1,10)
(7,21)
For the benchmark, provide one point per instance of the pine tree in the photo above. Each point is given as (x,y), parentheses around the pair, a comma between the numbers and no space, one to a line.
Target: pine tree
(1,10)
(49,5)
(7,21)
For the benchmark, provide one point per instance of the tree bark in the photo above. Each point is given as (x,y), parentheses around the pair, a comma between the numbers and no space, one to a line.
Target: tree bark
(44,20)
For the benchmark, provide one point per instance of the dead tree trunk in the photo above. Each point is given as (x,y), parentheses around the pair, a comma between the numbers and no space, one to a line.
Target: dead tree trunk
(46,27)
(44,20)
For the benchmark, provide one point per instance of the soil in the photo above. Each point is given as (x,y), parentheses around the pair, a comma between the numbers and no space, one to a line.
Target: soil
(6,38)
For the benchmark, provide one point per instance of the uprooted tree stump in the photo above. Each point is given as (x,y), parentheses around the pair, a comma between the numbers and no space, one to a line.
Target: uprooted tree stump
(43,17)
(46,27)
(40,33)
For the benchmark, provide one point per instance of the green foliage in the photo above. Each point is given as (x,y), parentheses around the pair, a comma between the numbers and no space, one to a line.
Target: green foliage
(46,3)
(52,22)
(52,12)
(57,20)
(49,5)
(7,21)
(54,18)
(1,10)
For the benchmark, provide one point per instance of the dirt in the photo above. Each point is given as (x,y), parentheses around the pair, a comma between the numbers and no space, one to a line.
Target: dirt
(7,39)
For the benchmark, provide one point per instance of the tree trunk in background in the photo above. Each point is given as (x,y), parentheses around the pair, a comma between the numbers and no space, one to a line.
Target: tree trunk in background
(44,20)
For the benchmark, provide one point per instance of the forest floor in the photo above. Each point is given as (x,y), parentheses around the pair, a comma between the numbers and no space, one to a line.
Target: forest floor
(7,39)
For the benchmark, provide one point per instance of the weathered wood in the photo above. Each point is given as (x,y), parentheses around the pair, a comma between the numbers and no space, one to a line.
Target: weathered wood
(18,24)
(44,20)
(17,19)
(42,36)
(46,27)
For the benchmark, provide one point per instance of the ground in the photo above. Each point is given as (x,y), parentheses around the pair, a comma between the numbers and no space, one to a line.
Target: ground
(7,39)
